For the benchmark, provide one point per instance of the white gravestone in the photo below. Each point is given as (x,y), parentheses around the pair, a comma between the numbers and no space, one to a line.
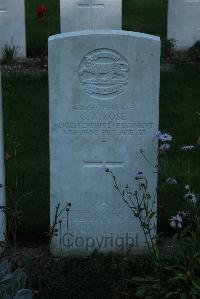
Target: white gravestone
(2,177)
(12,25)
(184,22)
(78,15)
(104,94)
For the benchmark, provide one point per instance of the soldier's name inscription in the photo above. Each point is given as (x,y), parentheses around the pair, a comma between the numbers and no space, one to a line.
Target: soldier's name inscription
(103,120)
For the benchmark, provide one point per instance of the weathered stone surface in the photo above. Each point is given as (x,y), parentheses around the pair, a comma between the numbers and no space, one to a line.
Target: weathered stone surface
(12,25)
(104,94)
(90,14)
(184,22)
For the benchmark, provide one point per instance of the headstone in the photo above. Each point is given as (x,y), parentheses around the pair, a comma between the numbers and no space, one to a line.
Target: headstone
(184,22)
(90,14)
(2,178)
(12,25)
(104,91)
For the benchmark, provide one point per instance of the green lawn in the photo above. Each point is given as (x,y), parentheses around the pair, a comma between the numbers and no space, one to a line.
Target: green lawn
(26,130)
(179,104)
(25,103)
(39,29)
(148,16)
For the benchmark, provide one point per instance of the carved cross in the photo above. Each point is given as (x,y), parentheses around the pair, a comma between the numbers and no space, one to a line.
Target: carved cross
(91,4)
(3,10)
(100,164)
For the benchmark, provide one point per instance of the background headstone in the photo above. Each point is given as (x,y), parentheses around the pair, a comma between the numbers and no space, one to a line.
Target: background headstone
(90,14)
(2,176)
(104,94)
(12,25)
(184,22)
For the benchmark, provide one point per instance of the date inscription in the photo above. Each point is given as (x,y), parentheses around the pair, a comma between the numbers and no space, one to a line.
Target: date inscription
(105,120)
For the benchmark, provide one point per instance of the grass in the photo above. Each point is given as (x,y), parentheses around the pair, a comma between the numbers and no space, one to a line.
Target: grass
(25,107)
(99,276)
(39,29)
(25,101)
(148,16)
(178,116)
(26,117)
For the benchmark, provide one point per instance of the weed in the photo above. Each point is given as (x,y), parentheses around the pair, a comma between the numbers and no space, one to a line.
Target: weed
(9,53)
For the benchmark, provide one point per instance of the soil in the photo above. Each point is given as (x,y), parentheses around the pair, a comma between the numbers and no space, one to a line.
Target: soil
(27,66)
(37,66)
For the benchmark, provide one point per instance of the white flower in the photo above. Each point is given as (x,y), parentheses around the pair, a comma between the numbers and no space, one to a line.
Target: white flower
(179,225)
(164,147)
(171,181)
(177,221)
(173,224)
(164,137)
(190,197)
(179,217)
(187,147)
(187,187)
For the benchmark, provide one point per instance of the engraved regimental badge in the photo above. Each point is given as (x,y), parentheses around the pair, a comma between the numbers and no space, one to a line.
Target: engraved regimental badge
(103,73)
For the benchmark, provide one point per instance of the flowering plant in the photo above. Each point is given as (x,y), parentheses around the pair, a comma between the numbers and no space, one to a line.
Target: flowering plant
(173,270)
(41,11)
(142,207)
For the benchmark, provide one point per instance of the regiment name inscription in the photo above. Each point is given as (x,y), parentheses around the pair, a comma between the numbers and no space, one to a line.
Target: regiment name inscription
(100,121)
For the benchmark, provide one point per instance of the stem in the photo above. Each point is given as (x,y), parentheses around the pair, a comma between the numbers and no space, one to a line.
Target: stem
(139,207)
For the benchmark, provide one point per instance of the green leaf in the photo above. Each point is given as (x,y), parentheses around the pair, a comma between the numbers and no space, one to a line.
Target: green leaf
(196,285)
(152,214)
(138,279)
(197,254)
(170,295)
(141,292)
